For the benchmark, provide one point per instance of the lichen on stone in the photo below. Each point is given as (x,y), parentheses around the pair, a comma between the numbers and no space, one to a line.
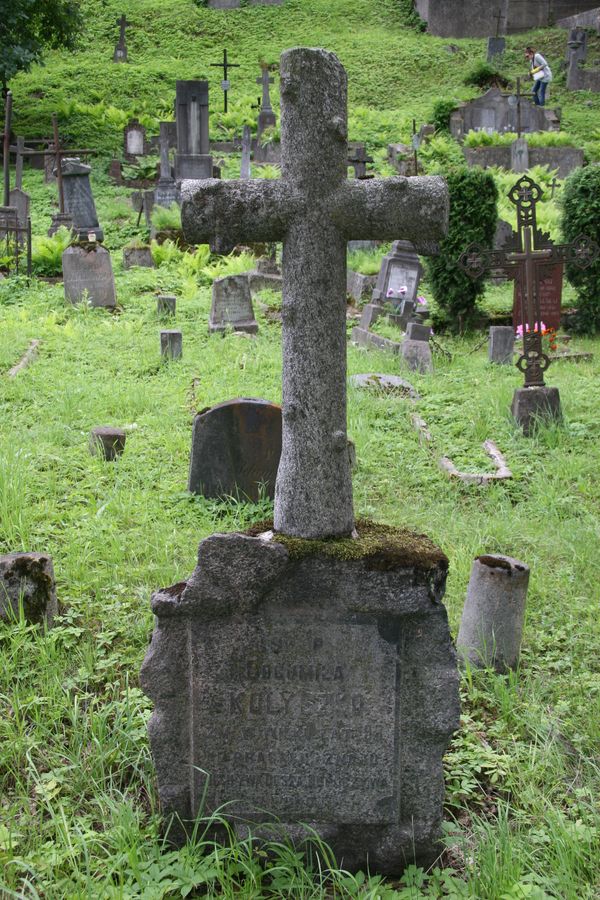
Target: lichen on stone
(382,546)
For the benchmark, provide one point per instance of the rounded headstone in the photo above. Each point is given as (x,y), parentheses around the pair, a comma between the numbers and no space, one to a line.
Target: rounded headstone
(236,448)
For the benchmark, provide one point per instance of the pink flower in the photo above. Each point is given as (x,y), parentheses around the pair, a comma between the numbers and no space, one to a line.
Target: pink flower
(421,300)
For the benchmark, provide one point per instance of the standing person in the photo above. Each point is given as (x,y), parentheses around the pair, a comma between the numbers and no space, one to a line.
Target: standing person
(541,73)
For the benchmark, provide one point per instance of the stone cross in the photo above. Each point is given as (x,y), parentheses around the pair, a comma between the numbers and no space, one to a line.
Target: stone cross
(524,257)
(245,169)
(123,24)
(314,210)
(498,17)
(265,80)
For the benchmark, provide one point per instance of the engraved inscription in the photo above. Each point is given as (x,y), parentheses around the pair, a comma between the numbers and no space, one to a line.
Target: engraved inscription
(233,308)
(400,277)
(297,721)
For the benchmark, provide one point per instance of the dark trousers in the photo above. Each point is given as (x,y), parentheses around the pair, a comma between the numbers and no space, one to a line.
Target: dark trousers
(539,93)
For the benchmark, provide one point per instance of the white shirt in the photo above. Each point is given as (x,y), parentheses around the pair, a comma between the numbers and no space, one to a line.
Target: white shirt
(540,63)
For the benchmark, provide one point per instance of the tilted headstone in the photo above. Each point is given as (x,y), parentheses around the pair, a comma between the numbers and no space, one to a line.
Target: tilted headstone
(399,275)
(232,305)
(27,582)
(236,448)
(192,159)
(299,685)
(501,345)
(79,201)
(134,139)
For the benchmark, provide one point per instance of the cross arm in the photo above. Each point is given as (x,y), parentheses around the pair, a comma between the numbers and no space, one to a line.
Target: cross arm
(414,209)
(477,260)
(237,211)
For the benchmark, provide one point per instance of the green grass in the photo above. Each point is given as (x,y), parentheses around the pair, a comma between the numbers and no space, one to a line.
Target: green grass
(78,814)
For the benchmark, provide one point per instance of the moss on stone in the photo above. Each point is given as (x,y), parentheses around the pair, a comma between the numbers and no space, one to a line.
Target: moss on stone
(384,547)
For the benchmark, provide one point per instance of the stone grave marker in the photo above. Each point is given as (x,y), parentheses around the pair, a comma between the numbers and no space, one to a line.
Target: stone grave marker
(120,54)
(79,201)
(232,305)
(236,448)
(165,193)
(497,111)
(138,256)
(399,275)
(417,332)
(107,441)
(171,344)
(193,159)
(501,345)
(245,170)
(134,140)
(319,684)
(27,580)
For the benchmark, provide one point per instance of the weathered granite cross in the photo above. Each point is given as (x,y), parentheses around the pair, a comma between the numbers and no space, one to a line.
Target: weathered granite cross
(265,80)
(123,24)
(314,210)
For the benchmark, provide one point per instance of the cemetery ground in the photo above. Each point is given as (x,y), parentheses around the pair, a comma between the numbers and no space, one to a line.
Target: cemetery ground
(78,800)
(79,815)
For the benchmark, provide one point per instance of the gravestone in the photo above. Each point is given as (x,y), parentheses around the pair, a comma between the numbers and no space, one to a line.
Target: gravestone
(166,304)
(87,272)
(417,355)
(266,116)
(27,581)
(138,256)
(192,159)
(358,158)
(498,111)
(134,140)
(310,680)
(232,305)
(359,286)
(79,202)
(501,345)
(120,54)
(166,192)
(519,155)
(171,344)
(399,275)
(19,200)
(417,332)
(550,296)
(495,48)
(385,384)
(245,170)
(107,441)
(236,448)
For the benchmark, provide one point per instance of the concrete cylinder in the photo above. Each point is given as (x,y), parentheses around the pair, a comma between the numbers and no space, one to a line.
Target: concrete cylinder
(107,442)
(492,621)
(171,344)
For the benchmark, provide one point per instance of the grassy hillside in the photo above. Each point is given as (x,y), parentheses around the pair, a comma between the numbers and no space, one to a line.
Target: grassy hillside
(395,71)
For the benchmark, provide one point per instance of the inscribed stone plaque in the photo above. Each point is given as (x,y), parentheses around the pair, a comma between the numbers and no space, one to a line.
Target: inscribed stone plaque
(400,277)
(135,142)
(232,305)
(88,272)
(400,268)
(550,295)
(307,689)
(302,717)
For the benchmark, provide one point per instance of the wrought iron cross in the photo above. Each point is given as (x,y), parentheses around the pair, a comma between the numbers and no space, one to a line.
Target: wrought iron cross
(225,65)
(522,258)
(123,24)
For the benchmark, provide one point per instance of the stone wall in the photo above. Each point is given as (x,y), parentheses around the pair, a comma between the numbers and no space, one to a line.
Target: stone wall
(476,18)
(565,159)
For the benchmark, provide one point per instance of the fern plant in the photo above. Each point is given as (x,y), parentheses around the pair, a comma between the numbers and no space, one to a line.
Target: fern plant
(46,253)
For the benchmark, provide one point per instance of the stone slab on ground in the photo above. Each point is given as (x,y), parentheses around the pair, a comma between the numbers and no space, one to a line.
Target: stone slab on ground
(28,579)
(365,338)
(308,688)
(384,383)
(236,448)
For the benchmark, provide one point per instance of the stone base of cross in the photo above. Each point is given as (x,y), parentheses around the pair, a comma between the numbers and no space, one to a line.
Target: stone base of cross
(314,210)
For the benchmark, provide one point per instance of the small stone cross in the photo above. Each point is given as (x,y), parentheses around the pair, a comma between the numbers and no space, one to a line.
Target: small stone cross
(314,209)
(265,81)
(498,17)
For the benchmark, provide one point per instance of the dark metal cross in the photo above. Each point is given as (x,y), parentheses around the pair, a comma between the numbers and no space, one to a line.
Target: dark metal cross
(6,147)
(523,258)
(225,65)
(123,24)
(554,184)
(498,17)
(359,160)
(315,210)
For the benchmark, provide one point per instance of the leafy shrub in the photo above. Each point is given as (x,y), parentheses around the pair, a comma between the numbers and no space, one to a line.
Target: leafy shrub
(473,215)
(167,253)
(440,117)
(46,253)
(365,261)
(506,138)
(229,265)
(142,170)
(483,75)
(441,154)
(166,219)
(581,215)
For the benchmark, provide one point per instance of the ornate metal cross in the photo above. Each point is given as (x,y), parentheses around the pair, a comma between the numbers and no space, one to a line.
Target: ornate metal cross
(226,66)
(522,258)
(314,210)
